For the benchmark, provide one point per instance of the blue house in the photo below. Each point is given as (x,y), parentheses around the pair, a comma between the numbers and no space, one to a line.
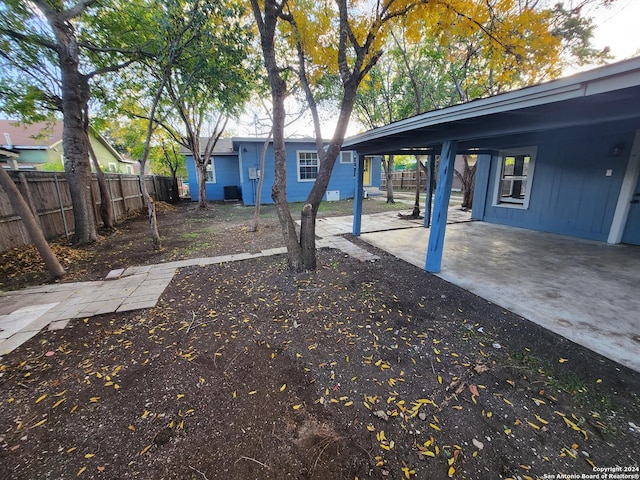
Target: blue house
(560,157)
(235,170)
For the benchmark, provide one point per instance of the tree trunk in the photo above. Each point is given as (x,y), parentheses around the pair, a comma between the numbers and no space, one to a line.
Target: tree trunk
(35,233)
(389,175)
(279,188)
(75,98)
(256,212)
(279,191)
(308,231)
(307,235)
(106,209)
(175,192)
(151,211)
(267,24)
(153,224)
(202,184)
(468,175)
(467,180)
(416,204)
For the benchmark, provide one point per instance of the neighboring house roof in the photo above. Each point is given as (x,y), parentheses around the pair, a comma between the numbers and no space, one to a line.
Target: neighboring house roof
(604,94)
(229,146)
(40,135)
(224,146)
(5,153)
(109,147)
(43,136)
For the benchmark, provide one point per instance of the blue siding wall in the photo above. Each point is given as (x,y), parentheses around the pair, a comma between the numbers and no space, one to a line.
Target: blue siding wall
(570,193)
(233,170)
(227,173)
(342,177)
(192,178)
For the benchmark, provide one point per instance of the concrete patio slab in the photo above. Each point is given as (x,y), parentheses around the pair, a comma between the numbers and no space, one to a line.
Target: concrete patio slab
(585,291)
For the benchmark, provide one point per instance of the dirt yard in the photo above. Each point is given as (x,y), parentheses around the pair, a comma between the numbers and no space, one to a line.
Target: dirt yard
(246,371)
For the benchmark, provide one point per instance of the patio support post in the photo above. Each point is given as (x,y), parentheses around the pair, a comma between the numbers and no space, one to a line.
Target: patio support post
(443,193)
(427,204)
(358,194)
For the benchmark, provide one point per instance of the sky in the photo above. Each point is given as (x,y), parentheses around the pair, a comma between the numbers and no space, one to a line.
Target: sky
(617,27)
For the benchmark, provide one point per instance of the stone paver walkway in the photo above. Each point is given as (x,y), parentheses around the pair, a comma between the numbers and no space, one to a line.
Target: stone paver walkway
(23,313)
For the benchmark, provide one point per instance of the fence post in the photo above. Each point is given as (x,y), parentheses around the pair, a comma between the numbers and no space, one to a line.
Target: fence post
(29,198)
(125,208)
(113,204)
(64,217)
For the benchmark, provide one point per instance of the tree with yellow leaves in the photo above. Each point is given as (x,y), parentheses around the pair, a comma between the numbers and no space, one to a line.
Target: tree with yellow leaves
(332,45)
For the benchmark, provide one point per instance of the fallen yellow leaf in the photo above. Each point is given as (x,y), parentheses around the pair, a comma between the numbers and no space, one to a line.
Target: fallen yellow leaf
(41,422)
(41,397)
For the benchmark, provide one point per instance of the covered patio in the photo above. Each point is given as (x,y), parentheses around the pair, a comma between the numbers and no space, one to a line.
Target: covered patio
(557,193)
(584,290)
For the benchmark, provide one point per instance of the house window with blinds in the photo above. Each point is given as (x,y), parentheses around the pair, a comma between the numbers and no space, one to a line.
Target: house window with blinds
(308,165)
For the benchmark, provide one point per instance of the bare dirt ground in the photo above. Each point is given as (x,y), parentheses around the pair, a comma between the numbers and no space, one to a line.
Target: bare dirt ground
(246,371)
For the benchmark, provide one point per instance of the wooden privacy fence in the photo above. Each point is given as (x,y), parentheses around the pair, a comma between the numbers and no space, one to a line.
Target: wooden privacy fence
(47,194)
(405,180)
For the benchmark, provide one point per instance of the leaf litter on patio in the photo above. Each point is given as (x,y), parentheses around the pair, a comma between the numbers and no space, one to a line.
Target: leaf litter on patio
(359,370)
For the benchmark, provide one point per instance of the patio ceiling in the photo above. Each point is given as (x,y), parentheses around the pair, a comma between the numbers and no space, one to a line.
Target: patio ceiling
(604,95)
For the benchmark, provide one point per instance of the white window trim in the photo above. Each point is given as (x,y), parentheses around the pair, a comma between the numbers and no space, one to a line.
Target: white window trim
(213,172)
(531,151)
(113,168)
(298,165)
(345,153)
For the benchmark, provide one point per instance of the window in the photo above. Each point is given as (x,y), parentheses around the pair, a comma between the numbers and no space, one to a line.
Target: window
(211,173)
(346,157)
(514,179)
(129,169)
(112,167)
(307,166)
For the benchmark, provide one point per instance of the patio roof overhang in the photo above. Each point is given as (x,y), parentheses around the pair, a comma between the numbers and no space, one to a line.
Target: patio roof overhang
(603,95)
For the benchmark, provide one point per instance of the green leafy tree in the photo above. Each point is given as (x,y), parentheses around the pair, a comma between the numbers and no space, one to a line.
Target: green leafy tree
(196,75)
(46,70)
